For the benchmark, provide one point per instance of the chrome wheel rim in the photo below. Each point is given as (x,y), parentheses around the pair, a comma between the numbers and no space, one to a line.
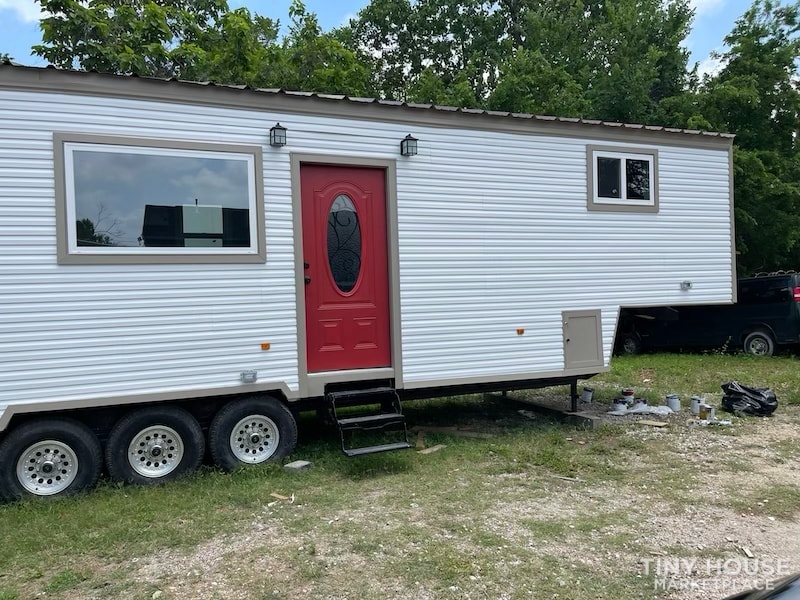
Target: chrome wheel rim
(46,468)
(254,439)
(759,347)
(155,451)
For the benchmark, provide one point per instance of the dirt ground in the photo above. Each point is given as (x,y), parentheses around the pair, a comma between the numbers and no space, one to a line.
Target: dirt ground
(693,533)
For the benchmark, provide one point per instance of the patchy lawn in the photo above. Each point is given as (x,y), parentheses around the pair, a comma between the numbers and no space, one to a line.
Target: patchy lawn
(535,509)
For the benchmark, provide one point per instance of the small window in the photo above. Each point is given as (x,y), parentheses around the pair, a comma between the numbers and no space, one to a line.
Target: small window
(621,180)
(154,201)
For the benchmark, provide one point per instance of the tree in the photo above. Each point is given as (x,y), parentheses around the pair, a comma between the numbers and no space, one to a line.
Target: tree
(615,59)
(138,37)
(755,96)
(87,234)
(5,57)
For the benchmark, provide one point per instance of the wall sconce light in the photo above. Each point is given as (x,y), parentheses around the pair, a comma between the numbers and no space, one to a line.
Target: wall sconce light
(408,146)
(686,286)
(277,135)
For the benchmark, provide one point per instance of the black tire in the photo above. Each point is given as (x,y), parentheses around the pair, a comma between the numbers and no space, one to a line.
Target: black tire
(631,344)
(154,445)
(49,458)
(759,343)
(267,420)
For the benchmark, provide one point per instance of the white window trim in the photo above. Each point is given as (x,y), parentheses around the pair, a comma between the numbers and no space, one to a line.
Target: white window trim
(69,252)
(622,204)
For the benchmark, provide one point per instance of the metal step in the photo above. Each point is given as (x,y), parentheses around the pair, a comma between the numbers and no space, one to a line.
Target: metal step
(365,426)
(376,449)
(360,397)
(371,421)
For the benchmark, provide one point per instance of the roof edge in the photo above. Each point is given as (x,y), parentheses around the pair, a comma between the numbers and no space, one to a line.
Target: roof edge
(54,80)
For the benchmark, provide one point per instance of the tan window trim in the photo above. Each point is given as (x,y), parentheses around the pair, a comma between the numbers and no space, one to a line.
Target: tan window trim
(622,205)
(174,256)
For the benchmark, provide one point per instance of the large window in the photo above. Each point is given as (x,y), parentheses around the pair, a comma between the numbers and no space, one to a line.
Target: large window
(132,201)
(622,180)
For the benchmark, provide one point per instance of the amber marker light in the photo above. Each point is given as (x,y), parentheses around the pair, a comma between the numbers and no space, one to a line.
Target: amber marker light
(265,346)
(520,331)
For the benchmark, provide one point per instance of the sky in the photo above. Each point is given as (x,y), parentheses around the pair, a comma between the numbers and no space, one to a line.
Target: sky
(19,23)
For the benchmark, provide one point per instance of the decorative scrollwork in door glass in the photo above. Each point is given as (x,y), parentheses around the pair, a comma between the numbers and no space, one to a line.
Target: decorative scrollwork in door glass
(344,243)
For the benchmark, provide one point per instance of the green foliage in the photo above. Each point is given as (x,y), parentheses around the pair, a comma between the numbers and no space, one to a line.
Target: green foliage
(755,96)
(139,37)
(616,60)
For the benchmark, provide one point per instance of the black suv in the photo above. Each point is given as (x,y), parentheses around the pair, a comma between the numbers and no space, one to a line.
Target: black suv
(766,316)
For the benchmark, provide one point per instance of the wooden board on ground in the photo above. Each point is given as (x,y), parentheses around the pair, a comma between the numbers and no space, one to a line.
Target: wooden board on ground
(653,423)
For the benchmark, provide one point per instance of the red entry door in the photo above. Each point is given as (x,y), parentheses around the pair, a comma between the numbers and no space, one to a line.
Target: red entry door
(346,267)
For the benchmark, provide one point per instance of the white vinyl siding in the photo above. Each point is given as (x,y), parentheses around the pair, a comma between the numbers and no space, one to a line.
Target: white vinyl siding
(494,236)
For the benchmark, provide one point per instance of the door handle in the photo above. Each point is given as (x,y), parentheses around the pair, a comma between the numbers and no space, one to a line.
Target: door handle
(307,279)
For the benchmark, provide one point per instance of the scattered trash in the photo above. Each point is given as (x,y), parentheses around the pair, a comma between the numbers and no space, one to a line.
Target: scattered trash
(432,449)
(696,401)
(627,395)
(718,422)
(420,440)
(565,478)
(528,414)
(279,496)
(747,552)
(640,408)
(587,395)
(738,398)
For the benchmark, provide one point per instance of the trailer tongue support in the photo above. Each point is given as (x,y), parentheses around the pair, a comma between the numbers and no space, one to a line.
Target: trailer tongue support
(388,417)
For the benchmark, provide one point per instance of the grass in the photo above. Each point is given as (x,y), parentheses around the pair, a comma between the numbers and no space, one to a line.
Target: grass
(535,509)
(654,376)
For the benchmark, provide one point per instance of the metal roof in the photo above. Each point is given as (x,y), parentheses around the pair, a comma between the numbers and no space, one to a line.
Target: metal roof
(356,100)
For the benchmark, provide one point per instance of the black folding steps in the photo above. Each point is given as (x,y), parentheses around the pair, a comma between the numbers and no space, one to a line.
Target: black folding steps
(352,425)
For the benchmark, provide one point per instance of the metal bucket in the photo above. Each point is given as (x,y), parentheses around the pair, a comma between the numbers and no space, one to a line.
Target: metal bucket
(674,402)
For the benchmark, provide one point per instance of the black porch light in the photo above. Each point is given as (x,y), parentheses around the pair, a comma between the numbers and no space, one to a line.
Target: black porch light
(408,146)
(277,135)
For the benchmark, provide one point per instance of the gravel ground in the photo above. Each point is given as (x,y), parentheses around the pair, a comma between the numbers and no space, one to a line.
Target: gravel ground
(712,535)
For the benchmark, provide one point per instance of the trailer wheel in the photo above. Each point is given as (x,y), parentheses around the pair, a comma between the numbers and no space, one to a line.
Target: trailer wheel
(153,445)
(631,344)
(759,343)
(49,457)
(251,431)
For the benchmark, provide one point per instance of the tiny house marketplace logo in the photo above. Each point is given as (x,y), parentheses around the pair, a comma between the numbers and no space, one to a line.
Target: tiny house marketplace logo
(718,575)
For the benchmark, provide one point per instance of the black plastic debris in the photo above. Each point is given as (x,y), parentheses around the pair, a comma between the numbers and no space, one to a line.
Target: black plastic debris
(738,398)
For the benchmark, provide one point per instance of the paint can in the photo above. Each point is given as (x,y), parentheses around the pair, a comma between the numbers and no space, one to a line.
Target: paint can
(627,395)
(619,404)
(674,402)
(712,413)
(696,402)
(587,395)
(703,411)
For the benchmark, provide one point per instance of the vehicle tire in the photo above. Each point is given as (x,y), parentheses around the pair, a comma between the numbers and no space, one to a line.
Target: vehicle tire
(251,431)
(631,344)
(759,343)
(49,457)
(154,445)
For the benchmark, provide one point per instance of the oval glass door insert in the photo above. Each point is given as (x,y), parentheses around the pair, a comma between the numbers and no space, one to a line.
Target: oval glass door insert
(344,243)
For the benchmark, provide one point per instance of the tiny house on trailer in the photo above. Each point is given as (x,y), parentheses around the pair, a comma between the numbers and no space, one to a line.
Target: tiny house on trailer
(183,265)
